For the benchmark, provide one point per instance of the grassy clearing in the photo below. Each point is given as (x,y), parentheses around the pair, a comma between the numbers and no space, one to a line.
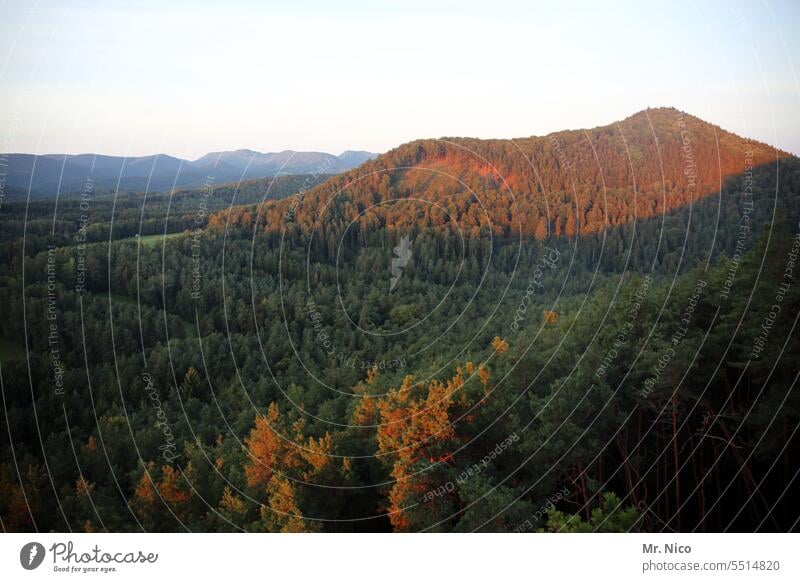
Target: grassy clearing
(151,240)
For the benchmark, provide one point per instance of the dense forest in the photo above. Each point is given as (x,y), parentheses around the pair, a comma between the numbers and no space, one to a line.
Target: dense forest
(589,331)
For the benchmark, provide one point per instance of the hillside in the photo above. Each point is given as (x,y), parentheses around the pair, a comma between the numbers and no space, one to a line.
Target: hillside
(566,183)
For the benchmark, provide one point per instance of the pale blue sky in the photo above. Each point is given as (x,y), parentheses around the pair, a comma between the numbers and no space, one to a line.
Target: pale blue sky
(185,78)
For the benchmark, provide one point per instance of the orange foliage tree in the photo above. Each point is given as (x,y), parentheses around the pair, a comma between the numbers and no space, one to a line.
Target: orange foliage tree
(280,461)
(158,496)
(416,432)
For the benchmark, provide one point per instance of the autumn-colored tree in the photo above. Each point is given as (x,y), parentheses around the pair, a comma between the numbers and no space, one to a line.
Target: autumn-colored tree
(282,514)
(415,431)
(550,317)
(174,490)
(265,448)
(146,495)
(83,487)
(166,494)
(231,506)
(499,344)
(366,412)
(282,459)
(483,374)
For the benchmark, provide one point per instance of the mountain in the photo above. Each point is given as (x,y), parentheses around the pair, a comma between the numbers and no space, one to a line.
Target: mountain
(355,158)
(565,183)
(287,161)
(52,173)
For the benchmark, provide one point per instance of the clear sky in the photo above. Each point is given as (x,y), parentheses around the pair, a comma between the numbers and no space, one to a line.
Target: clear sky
(186,78)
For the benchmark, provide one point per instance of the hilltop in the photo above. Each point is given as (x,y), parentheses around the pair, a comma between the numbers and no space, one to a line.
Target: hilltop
(566,183)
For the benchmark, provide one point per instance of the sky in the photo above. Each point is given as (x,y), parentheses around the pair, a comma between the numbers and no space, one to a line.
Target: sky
(187,78)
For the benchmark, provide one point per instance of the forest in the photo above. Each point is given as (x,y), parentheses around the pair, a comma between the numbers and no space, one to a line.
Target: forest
(592,331)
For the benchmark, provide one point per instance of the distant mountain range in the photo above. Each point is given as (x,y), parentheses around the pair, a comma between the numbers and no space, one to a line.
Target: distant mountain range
(48,174)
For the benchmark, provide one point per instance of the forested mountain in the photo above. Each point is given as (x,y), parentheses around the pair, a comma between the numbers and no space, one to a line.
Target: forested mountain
(567,183)
(51,174)
(588,331)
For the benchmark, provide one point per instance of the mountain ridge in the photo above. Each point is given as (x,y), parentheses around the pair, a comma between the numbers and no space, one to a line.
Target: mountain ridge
(49,174)
(569,182)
